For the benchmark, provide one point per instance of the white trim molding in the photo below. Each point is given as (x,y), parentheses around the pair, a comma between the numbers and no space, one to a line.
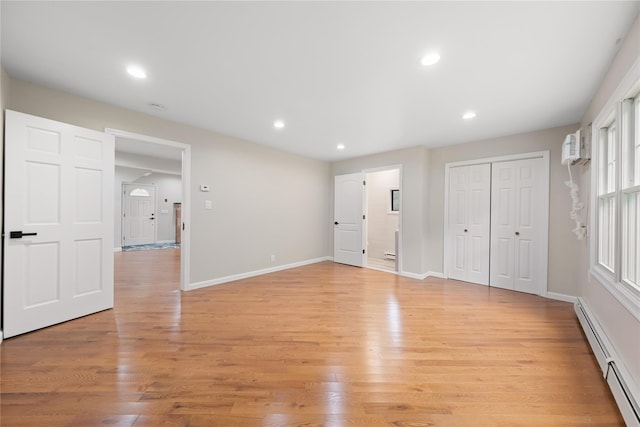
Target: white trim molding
(423,275)
(235,277)
(118,249)
(620,381)
(561,297)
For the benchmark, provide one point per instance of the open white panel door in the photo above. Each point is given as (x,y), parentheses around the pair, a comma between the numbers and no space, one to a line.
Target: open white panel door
(58,222)
(348,247)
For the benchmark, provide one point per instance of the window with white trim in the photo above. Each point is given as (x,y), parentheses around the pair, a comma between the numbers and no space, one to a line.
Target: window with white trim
(630,191)
(607,196)
(617,139)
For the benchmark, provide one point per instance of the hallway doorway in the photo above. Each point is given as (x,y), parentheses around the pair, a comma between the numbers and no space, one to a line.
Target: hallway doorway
(382,219)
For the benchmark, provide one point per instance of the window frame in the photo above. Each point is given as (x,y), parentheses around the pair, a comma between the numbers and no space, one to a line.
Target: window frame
(613,277)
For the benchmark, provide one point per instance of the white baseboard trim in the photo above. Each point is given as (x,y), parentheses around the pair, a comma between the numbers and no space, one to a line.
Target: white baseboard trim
(1,337)
(625,391)
(561,297)
(117,249)
(233,278)
(162,242)
(422,276)
(413,275)
(435,274)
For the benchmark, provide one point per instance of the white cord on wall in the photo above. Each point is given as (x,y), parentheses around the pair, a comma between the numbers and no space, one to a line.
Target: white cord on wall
(580,229)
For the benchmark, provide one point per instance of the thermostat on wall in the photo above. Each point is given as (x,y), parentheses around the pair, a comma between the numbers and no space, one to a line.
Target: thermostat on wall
(204,187)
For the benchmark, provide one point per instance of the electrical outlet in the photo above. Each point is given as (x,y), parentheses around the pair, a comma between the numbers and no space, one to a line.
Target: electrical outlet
(273,258)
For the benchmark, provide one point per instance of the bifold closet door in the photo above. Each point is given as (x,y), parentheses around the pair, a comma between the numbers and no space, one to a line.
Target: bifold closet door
(516,225)
(469,222)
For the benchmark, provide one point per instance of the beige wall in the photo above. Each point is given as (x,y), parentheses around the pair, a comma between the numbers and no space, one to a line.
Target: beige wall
(563,260)
(621,326)
(265,202)
(414,190)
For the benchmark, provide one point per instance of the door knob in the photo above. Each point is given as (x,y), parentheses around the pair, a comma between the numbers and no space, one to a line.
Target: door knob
(335,223)
(19,234)
(152,218)
(465,230)
(517,233)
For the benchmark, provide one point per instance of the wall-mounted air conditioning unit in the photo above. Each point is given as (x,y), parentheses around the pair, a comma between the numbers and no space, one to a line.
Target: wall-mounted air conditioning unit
(576,148)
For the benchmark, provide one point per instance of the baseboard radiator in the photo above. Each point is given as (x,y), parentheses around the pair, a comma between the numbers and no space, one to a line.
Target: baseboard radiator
(626,395)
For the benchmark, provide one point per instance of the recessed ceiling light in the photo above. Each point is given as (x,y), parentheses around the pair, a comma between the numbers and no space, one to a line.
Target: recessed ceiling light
(136,71)
(340,146)
(430,59)
(469,115)
(278,124)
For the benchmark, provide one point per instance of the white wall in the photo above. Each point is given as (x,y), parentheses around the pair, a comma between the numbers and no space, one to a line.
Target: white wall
(259,210)
(381,222)
(618,321)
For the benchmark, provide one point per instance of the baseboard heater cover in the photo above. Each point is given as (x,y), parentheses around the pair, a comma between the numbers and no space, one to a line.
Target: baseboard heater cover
(626,398)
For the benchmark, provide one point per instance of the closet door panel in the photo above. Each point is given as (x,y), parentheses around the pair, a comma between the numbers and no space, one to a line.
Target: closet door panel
(469,223)
(479,224)
(528,228)
(503,187)
(458,191)
(517,254)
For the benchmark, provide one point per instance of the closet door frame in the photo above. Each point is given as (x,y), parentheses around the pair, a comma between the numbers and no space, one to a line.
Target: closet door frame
(544,186)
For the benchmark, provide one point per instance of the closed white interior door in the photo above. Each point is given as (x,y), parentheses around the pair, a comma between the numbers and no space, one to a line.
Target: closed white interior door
(348,246)
(138,214)
(469,223)
(518,252)
(58,248)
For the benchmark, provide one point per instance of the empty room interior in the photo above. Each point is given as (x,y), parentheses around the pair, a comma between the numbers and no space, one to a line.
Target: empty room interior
(291,213)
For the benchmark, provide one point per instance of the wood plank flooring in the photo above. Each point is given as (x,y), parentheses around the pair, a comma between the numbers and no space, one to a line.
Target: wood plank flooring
(321,345)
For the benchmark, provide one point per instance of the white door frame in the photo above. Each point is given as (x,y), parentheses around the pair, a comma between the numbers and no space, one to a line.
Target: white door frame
(185,257)
(365,236)
(544,239)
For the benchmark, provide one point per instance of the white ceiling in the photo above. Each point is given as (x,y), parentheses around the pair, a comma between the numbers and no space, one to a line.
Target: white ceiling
(335,72)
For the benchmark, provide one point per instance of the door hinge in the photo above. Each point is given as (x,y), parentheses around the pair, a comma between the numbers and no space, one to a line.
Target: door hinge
(363,251)
(364,182)
(364,217)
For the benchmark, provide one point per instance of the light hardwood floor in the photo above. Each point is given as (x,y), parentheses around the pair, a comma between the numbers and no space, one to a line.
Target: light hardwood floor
(321,345)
